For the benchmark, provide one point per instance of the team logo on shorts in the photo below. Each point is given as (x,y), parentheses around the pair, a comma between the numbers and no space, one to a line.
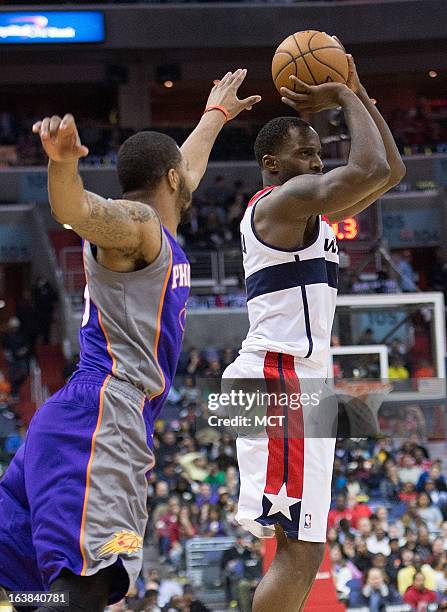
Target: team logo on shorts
(307,521)
(125,542)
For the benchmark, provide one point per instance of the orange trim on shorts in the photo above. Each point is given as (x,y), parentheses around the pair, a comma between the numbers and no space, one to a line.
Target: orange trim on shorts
(157,334)
(89,469)
(142,403)
(106,336)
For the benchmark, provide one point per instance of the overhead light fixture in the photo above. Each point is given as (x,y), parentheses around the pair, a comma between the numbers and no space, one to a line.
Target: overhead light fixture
(432,74)
(168,74)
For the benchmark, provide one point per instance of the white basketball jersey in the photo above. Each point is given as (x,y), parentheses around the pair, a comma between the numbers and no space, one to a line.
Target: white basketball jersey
(291,294)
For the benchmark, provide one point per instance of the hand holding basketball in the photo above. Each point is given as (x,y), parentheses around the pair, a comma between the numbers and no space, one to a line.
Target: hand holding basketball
(312,98)
(60,138)
(353,81)
(224,93)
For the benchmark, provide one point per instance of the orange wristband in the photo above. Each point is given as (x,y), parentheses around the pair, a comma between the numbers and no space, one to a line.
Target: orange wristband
(219,108)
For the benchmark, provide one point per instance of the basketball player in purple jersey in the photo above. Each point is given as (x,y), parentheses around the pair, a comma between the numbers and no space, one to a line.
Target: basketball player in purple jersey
(291,270)
(73,501)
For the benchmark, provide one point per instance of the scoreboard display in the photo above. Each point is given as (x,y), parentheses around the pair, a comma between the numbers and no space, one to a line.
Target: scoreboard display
(347,229)
(360,228)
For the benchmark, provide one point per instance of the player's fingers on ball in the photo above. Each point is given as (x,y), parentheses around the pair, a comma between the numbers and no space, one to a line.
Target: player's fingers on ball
(351,62)
(288,93)
(299,83)
(339,42)
(55,122)
(289,102)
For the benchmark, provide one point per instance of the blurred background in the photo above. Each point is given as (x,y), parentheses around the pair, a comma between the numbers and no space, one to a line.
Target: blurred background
(123,67)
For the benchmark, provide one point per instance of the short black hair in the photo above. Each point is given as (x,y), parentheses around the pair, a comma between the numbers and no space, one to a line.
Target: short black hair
(144,158)
(273,135)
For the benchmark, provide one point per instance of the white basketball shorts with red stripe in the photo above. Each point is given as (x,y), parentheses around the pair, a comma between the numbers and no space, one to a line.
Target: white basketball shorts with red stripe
(285,474)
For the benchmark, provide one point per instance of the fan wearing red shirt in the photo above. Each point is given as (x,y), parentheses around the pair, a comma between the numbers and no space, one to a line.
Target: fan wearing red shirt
(342,511)
(417,594)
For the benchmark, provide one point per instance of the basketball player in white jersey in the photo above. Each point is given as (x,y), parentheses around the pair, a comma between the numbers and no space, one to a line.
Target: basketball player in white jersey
(291,269)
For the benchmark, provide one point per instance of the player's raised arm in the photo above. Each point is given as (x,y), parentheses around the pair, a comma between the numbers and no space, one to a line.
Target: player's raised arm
(124,225)
(394,159)
(222,106)
(367,169)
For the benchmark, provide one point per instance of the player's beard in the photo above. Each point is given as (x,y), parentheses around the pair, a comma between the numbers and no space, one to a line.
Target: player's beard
(184,201)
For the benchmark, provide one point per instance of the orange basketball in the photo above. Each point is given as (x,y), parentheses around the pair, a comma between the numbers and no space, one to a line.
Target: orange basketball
(312,56)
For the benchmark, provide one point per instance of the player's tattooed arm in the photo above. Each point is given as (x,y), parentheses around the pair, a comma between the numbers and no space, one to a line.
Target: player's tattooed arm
(197,147)
(130,227)
(124,225)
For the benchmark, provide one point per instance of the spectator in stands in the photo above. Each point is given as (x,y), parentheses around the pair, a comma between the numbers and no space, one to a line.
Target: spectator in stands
(433,474)
(189,393)
(28,317)
(232,566)
(150,601)
(409,471)
(424,546)
(167,527)
(441,581)
(218,194)
(196,365)
(405,271)
(191,603)
(166,448)
(213,525)
(195,468)
(376,594)
(430,513)
(418,593)
(438,555)
(366,337)
(397,369)
(251,575)
(5,388)
(438,272)
(169,588)
(343,571)
(45,300)
(424,369)
(406,575)
(17,354)
(340,511)
(363,558)
(393,561)
(378,542)
(391,485)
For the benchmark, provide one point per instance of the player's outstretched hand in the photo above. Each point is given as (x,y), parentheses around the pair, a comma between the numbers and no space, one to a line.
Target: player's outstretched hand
(60,138)
(312,98)
(224,93)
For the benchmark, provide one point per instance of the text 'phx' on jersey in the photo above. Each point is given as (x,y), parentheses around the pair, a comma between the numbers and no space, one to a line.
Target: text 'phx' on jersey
(181,275)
